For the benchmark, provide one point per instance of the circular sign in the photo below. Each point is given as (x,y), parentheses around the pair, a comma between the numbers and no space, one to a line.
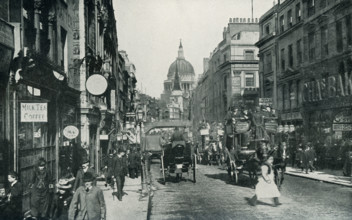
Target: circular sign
(71,132)
(96,84)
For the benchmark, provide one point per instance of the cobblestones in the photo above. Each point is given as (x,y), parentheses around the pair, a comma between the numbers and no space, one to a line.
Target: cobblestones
(213,197)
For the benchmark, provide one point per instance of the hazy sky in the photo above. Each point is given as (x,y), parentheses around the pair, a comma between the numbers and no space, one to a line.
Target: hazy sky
(150,32)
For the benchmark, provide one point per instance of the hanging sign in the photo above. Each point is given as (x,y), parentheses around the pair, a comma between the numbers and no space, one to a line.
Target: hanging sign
(34,112)
(96,84)
(204,132)
(241,126)
(70,132)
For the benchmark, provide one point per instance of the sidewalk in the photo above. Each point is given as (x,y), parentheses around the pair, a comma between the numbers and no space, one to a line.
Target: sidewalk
(131,207)
(320,176)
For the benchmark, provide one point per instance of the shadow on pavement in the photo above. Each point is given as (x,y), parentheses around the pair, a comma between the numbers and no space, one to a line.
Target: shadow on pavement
(243,181)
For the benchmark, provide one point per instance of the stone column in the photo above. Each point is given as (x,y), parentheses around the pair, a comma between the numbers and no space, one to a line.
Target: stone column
(52,19)
(37,11)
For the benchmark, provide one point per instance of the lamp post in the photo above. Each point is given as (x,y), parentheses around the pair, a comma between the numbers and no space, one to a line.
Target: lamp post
(139,119)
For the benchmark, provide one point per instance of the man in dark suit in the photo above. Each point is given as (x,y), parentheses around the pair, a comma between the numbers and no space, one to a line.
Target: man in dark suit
(133,162)
(119,172)
(13,199)
(79,177)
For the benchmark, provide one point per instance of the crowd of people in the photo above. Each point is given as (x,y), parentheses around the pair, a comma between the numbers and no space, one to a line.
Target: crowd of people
(76,198)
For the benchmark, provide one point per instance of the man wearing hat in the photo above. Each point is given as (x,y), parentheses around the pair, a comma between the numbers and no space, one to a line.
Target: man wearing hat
(62,199)
(88,202)
(109,162)
(12,199)
(119,172)
(79,177)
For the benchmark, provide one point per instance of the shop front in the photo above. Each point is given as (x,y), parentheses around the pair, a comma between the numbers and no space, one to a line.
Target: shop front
(6,51)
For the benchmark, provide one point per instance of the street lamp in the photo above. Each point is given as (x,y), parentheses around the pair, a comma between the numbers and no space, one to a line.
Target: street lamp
(139,119)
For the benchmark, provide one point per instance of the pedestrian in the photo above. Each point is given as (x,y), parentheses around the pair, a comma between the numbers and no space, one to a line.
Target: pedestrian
(307,158)
(281,156)
(133,162)
(266,187)
(292,154)
(88,201)
(61,201)
(119,168)
(79,176)
(40,189)
(12,209)
(109,162)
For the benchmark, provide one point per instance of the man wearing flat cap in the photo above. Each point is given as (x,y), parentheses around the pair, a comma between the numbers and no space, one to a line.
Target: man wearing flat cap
(88,202)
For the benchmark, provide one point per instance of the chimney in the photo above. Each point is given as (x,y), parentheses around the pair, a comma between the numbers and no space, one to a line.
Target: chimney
(248,20)
(240,20)
(237,20)
(256,20)
(224,33)
(230,21)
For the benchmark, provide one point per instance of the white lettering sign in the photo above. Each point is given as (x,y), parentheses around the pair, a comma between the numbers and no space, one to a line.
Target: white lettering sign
(34,112)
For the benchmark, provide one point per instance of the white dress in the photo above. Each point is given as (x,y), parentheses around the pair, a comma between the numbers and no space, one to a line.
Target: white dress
(264,189)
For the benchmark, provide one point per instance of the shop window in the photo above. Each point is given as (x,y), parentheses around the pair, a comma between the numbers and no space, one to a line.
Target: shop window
(289,18)
(339,37)
(311,46)
(249,55)
(299,51)
(249,79)
(298,12)
(290,55)
(324,42)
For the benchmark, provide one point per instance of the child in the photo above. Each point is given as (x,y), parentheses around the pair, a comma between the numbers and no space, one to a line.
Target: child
(62,200)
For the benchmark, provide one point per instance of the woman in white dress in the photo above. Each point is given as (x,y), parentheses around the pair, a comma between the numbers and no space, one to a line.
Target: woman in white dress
(266,187)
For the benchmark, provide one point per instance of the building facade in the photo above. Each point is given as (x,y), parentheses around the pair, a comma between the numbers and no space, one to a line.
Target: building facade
(230,76)
(311,69)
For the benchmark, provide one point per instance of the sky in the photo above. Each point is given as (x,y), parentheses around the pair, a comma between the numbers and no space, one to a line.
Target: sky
(150,32)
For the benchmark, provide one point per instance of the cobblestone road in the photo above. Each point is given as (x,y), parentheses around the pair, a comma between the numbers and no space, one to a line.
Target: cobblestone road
(213,197)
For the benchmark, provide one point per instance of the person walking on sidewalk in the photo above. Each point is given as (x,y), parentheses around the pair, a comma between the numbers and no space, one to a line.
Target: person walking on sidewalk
(109,163)
(119,172)
(266,187)
(61,202)
(133,163)
(12,209)
(307,158)
(88,202)
(80,173)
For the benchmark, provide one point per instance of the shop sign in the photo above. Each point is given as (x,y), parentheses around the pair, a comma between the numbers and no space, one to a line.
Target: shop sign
(265,101)
(342,127)
(96,84)
(271,126)
(70,132)
(343,117)
(241,127)
(329,87)
(34,112)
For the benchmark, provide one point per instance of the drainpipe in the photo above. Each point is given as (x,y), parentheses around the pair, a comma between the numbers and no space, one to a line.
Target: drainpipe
(37,7)
(57,140)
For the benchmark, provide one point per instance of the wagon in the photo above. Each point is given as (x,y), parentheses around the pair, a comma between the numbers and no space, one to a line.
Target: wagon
(177,158)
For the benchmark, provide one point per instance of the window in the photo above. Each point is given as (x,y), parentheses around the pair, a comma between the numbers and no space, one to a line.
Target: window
(267,29)
(349,29)
(339,40)
(249,55)
(283,60)
(282,23)
(249,79)
(64,49)
(289,18)
(268,63)
(311,7)
(225,83)
(290,55)
(324,42)
(298,12)
(311,46)
(299,51)
(225,57)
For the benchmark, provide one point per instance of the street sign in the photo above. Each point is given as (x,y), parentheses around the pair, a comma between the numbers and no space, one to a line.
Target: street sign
(204,132)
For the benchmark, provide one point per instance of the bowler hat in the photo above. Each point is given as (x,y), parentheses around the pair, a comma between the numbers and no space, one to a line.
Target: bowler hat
(85,161)
(63,184)
(121,150)
(88,177)
(42,163)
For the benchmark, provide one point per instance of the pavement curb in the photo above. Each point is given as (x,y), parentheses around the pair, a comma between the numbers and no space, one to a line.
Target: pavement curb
(319,180)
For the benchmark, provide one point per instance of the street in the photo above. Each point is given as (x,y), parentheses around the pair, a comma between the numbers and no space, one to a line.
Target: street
(213,197)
